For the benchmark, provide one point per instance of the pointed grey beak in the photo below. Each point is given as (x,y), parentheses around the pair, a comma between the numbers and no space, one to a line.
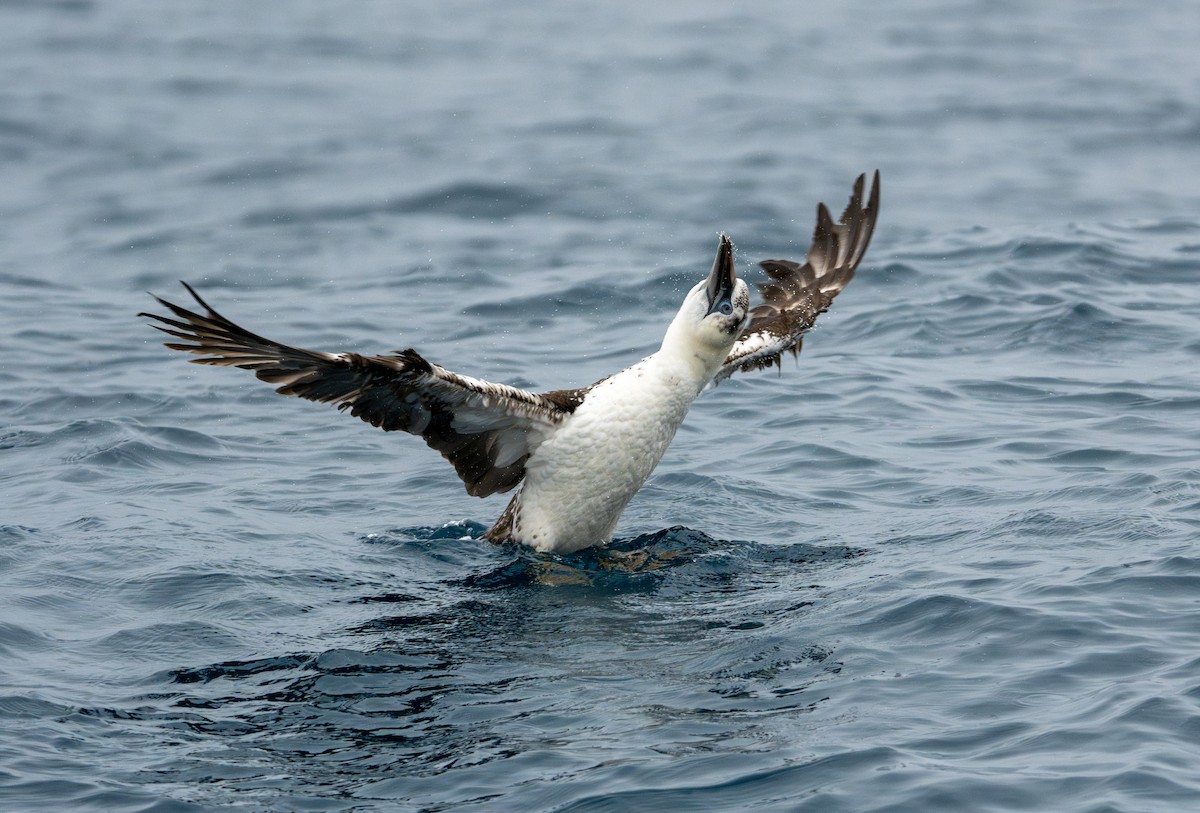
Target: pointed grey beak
(721,278)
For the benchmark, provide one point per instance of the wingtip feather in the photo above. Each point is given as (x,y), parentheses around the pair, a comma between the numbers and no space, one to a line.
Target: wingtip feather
(799,293)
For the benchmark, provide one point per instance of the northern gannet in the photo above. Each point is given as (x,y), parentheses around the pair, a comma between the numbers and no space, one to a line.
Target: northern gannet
(578,455)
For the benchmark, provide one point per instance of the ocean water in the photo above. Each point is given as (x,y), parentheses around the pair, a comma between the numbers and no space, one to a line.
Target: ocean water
(949,561)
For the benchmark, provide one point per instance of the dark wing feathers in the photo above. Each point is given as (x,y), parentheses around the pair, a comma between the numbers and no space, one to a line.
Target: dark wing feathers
(485,430)
(796,294)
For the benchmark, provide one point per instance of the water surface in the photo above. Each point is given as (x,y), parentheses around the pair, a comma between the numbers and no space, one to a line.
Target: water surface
(947,562)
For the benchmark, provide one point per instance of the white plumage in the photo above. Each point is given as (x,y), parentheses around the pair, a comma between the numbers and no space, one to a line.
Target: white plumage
(602,454)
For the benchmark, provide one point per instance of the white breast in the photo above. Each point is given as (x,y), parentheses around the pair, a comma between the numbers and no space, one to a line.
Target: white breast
(584,475)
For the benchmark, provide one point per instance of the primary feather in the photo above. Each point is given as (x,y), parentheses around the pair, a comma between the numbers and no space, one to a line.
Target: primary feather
(798,293)
(487,431)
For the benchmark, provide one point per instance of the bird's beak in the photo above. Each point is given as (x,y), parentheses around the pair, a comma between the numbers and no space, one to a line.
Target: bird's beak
(721,278)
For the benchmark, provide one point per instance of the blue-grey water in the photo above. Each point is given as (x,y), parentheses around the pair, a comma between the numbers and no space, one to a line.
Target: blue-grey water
(948,562)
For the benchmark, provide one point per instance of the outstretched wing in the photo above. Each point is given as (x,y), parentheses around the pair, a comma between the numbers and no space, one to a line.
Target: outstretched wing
(797,293)
(486,430)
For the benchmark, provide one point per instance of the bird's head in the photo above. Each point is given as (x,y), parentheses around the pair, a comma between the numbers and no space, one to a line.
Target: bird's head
(714,312)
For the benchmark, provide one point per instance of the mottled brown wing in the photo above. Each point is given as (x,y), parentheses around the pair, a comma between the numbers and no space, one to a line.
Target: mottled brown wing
(485,430)
(797,293)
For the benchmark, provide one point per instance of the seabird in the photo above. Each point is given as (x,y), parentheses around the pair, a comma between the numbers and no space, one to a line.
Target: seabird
(578,456)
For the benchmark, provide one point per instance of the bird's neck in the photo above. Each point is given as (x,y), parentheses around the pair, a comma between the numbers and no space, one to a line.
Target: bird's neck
(694,359)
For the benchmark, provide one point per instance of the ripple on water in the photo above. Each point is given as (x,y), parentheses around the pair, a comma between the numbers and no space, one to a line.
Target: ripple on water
(945,562)
(465,200)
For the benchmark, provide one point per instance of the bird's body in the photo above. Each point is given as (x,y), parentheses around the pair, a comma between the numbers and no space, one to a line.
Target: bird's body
(579,456)
(601,455)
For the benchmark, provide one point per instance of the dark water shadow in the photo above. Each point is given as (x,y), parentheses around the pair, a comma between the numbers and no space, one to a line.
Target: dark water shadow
(632,564)
(444,674)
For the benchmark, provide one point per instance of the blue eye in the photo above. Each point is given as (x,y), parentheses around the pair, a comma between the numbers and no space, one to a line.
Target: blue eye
(725,308)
